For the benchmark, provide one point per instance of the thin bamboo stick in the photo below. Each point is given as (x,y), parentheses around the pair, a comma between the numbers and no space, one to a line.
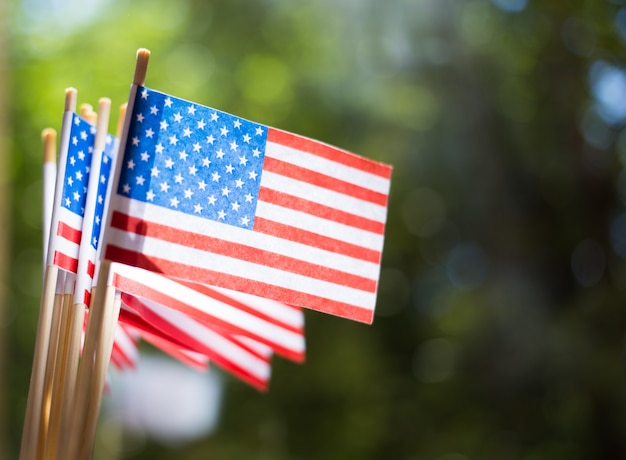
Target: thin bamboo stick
(78,307)
(64,372)
(49,136)
(97,315)
(112,303)
(63,303)
(34,404)
(90,374)
(86,385)
(56,371)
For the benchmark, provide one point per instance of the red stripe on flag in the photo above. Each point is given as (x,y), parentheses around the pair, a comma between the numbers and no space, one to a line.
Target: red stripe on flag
(130,317)
(175,351)
(120,359)
(237,283)
(173,329)
(323,181)
(239,251)
(206,290)
(68,232)
(65,262)
(115,358)
(87,297)
(91,268)
(319,210)
(138,289)
(212,354)
(297,235)
(326,151)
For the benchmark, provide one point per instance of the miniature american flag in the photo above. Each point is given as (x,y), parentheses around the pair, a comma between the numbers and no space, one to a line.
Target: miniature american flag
(210,197)
(68,216)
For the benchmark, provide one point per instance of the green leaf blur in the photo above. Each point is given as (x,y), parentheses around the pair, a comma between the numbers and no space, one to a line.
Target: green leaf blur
(499,331)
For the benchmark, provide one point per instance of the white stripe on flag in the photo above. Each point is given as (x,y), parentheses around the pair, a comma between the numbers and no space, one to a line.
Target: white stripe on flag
(208,309)
(327,167)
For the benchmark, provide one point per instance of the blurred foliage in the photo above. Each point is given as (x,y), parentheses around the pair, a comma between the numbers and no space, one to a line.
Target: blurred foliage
(500,319)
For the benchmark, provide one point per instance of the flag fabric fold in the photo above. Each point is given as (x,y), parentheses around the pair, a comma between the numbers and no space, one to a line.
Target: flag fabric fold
(247,360)
(279,326)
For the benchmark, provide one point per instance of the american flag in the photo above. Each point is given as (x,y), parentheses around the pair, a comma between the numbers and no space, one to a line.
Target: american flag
(92,212)
(69,208)
(276,325)
(210,197)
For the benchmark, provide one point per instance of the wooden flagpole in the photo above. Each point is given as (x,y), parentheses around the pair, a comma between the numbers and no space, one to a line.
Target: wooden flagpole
(34,404)
(112,301)
(56,371)
(49,136)
(103,315)
(76,310)
(96,327)
(103,310)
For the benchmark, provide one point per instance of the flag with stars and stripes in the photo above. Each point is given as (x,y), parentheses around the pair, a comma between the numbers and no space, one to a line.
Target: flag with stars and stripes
(209,197)
(71,191)
(93,212)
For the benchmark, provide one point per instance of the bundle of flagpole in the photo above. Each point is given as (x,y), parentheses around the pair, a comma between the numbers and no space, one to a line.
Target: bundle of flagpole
(299,224)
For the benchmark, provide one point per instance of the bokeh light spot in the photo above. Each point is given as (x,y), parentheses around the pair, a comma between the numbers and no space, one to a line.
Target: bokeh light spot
(414,106)
(595,131)
(467,265)
(511,6)
(608,85)
(265,80)
(196,57)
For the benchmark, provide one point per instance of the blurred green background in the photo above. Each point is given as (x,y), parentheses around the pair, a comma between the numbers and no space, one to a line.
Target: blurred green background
(499,329)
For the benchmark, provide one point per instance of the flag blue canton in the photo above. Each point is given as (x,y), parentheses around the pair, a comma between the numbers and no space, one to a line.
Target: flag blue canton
(193,159)
(105,175)
(82,135)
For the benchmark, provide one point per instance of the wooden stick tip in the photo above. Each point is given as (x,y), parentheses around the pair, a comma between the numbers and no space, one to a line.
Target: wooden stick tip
(49,138)
(104,110)
(120,120)
(141,66)
(71,94)
(143,53)
(104,101)
(91,117)
(85,110)
(48,133)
